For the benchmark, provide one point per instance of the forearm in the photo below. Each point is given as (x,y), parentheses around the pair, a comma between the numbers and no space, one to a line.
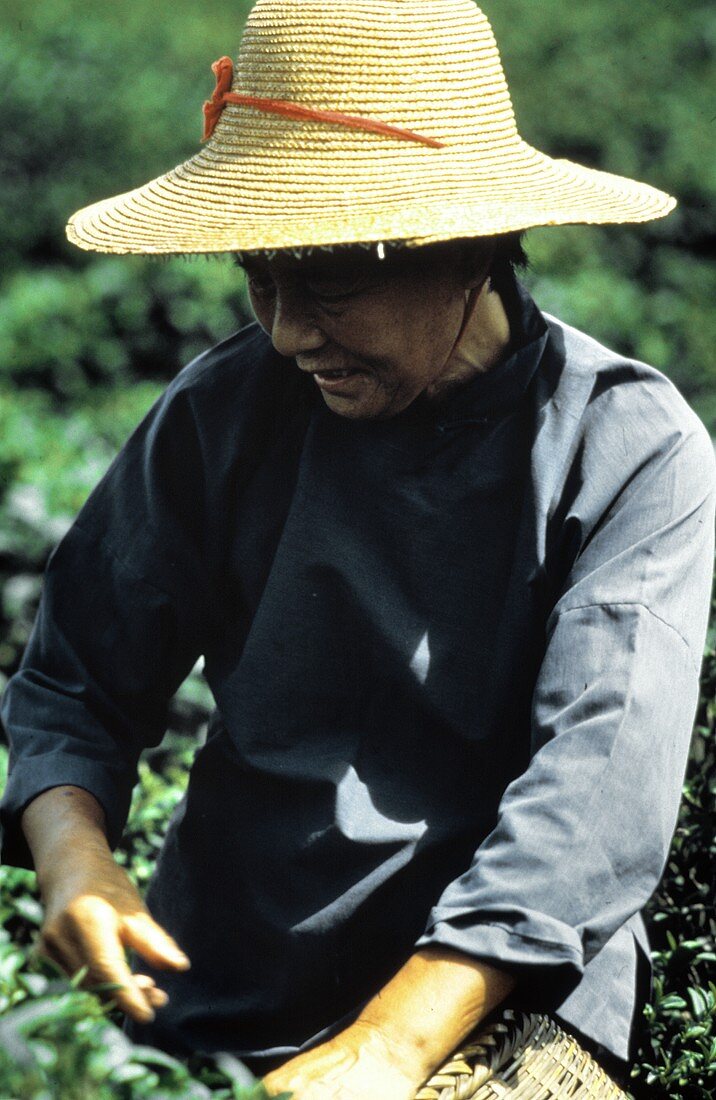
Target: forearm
(402,1036)
(433,1003)
(58,824)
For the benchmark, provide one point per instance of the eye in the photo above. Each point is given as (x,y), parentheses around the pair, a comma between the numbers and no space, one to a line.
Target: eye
(324,299)
(335,291)
(260,283)
(261,286)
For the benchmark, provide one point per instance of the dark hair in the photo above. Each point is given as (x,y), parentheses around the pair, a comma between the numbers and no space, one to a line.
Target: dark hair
(471,252)
(509,252)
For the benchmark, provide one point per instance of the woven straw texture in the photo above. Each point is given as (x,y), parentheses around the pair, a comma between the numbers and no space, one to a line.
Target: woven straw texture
(264,181)
(521,1057)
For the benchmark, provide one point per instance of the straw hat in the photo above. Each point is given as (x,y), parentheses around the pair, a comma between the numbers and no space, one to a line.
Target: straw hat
(356,121)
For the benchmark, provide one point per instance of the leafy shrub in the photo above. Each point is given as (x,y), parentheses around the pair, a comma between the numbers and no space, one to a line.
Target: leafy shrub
(99,104)
(59,1042)
(113,322)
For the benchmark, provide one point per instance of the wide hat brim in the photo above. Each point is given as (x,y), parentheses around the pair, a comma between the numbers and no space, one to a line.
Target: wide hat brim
(192,209)
(268,182)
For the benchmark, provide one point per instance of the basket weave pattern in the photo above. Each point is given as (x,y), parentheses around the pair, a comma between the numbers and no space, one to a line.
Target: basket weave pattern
(523,1057)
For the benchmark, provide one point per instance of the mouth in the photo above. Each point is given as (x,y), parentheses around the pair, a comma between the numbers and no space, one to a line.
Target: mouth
(335,381)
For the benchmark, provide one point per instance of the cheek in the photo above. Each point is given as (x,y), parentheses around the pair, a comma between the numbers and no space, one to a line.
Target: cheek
(403,346)
(429,304)
(390,332)
(424,339)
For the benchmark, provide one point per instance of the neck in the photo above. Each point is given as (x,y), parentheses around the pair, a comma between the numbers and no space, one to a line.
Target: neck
(481,347)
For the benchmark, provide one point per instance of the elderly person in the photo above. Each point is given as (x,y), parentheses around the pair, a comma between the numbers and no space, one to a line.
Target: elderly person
(448,563)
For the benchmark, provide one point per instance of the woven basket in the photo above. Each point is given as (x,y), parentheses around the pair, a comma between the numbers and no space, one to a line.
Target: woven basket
(521,1056)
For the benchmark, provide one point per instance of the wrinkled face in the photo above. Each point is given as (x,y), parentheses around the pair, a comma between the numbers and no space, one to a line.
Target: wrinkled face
(374,334)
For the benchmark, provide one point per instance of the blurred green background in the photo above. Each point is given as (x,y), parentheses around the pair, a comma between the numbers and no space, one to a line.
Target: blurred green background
(98,98)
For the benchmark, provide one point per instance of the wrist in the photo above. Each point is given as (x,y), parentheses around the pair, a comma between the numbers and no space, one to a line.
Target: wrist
(70,876)
(410,1057)
(415,1054)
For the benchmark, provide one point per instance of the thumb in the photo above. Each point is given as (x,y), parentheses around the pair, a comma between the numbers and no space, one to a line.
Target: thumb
(140,932)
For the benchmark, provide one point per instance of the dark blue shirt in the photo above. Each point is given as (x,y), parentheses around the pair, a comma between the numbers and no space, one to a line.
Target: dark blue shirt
(455,659)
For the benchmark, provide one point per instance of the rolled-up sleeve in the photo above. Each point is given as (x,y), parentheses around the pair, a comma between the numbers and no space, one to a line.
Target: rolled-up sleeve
(120,625)
(582,836)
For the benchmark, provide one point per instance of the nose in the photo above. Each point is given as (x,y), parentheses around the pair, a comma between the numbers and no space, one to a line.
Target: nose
(294,330)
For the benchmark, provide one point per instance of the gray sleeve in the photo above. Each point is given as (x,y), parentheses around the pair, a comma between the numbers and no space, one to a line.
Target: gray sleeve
(582,836)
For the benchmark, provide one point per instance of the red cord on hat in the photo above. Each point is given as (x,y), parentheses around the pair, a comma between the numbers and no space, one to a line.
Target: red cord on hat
(224,69)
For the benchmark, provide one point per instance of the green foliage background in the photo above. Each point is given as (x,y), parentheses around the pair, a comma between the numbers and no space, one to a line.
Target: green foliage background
(97,99)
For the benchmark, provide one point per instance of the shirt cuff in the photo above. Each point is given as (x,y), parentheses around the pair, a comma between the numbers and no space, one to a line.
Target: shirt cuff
(30,777)
(547,967)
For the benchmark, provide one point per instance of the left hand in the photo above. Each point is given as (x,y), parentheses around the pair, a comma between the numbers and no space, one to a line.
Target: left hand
(358,1064)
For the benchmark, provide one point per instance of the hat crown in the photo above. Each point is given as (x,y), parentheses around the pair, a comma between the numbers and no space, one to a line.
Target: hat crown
(427,65)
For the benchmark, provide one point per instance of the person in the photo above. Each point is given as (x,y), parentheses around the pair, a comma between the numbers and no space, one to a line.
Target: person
(447,561)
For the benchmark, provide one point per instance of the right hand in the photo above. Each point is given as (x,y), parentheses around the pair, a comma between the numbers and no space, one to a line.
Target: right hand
(93,912)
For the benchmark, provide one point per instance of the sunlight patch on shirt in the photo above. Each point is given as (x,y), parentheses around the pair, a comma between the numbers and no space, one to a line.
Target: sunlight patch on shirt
(420,664)
(373,810)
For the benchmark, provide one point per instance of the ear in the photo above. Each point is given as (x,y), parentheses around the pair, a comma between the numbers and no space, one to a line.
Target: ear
(476,262)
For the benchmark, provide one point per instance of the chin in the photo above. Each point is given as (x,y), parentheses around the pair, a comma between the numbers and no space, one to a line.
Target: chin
(351,410)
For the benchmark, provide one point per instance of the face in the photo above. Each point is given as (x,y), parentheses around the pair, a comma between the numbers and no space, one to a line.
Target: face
(374,334)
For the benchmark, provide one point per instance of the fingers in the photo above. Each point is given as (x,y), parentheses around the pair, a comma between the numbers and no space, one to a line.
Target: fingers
(91,933)
(99,935)
(156,997)
(47,948)
(150,941)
